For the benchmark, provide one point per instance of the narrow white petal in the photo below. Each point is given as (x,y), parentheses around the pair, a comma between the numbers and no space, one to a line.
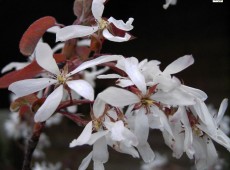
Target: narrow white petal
(94,62)
(135,75)
(44,57)
(169,2)
(174,97)
(116,129)
(111,37)
(54,29)
(118,97)
(98,8)
(29,86)
(97,165)
(50,105)
(179,65)
(146,153)
(74,31)
(128,150)
(195,92)
(84,42)
(96,136)
(124,83)
(100,151)
(84,136)
(82,87)
(57,47)
(222,109)
(130,138)
(109,76)
(166,83)
(121,25)
(141,130)
(14,65)
(85,162)
(98,107)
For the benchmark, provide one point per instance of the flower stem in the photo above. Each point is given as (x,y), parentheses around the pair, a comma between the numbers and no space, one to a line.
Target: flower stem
(32,143)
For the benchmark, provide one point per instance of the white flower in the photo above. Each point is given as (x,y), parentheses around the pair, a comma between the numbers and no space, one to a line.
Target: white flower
(45,59)
(102,132)
(75,31)
(158,162)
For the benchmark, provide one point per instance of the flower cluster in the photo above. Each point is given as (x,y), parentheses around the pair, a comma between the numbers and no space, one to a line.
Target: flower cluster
(143,97)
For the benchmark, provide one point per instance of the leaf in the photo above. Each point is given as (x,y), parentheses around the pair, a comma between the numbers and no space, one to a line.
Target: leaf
(82,9)
(33,34)
(19,102)
(29,71)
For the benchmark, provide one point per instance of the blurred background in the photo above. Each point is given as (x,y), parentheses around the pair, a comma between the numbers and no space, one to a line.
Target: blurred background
(200,28)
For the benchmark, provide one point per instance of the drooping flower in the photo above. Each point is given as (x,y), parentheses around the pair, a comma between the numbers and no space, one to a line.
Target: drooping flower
(76,31)
(59,78)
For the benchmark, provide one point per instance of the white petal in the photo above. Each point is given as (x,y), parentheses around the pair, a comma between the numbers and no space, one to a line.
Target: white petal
(74,31)
(128,150)
(85,162)
(44,57)
(222,109)
(97,165)
(141,130)
(54,29)
(29,86)
(111,37)
(130,138)
(195,92)
(14,65)
(121,25)
(174,97)
(124,83)
(96,136)
(50,105)
(94,62)
(82,87)
(109,76)
(58,47)
(135,75)
(179,65)
(116,130)
(100,151)
(98,8)
(118,97)
(84,136)
(146,153)
(98,107)
(84,42)
(166,83)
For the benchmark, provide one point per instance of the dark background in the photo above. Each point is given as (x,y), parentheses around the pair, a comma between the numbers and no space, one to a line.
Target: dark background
(197,27)
(200,28)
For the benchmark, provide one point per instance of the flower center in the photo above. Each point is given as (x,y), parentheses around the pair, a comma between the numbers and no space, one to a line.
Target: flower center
(146,102)
(103,24)
(61,79)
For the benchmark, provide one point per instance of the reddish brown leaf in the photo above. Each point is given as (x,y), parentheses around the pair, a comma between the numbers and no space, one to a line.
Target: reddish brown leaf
(32,35)
(82,8)
(27,72)
(29,99)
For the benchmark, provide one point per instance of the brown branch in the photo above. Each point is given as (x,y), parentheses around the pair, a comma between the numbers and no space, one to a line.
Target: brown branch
(71,103)
(77,119)
(32,143)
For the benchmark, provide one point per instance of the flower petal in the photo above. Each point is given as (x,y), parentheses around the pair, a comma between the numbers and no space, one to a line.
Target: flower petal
(121,25)
(179,65)
(100,151)
(74,31)
(118,97)
(222,109)
(14,65)
(98,8)
(44,57)
(29,86)
(50,105)
(98,107)
(96,136)
(84,136)
(174,97)
(85,162)
(109,76)
(195,92)
(111,37)
(124,83)
(134,74)
(146,153)
(96,61)
(82,87)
